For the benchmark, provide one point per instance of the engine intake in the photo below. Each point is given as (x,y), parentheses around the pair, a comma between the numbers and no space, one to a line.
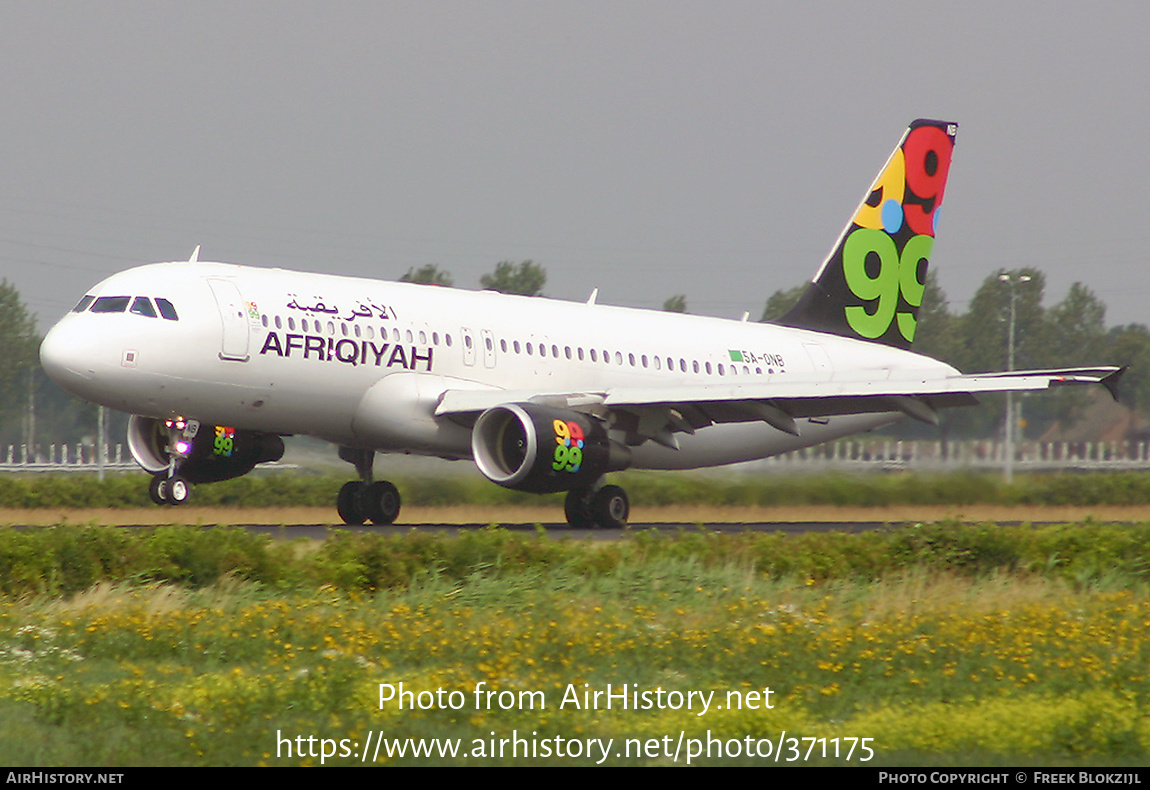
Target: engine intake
(208,453)
(542,449)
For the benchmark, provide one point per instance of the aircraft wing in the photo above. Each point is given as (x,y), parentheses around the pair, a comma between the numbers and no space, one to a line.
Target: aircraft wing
(661,411)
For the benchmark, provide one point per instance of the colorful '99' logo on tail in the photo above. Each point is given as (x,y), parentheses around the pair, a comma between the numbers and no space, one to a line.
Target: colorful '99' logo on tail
(873,282)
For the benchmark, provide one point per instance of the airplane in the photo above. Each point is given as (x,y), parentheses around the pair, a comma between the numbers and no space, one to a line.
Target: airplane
(218,362)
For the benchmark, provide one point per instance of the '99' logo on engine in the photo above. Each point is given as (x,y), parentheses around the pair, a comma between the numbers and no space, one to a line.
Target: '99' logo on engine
(569,442)
(225,441)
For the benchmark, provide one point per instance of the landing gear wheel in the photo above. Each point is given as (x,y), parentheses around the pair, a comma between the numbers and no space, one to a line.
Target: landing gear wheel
(158,489)
(348,503)
(577,508)
(610,507)
(178,490)
(380,502)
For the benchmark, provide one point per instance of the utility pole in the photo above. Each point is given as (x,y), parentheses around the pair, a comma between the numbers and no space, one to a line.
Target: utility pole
(101,441)
(30,424)
(1011,418)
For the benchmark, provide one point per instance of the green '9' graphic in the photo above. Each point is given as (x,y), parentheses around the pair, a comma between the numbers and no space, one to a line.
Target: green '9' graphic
(896,274)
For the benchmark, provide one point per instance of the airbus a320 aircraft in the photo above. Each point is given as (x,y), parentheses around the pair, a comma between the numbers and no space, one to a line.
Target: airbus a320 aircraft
(217,362)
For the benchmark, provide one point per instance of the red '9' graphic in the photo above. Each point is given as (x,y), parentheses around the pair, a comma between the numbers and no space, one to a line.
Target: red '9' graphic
(927,150)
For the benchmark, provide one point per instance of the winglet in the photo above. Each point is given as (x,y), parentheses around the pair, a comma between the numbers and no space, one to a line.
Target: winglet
(871,286)
(195,255)
(1110,382)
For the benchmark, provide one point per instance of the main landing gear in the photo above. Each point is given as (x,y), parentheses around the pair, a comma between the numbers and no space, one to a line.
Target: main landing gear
(366,500)
(606,507)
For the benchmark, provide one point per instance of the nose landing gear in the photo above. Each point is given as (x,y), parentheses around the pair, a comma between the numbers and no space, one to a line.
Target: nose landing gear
(165,490)
(169,487)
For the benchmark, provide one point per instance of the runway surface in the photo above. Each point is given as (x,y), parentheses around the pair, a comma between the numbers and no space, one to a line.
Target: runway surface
(787,518)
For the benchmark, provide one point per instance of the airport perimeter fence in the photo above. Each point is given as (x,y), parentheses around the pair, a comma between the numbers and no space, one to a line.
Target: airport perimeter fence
(894,454)
(845,455)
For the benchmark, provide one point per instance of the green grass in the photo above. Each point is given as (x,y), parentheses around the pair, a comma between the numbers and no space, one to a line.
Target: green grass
(944,644)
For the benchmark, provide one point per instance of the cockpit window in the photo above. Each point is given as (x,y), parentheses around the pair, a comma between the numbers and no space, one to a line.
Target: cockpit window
(143,306)
(167,309)
(111,304)
(83,304)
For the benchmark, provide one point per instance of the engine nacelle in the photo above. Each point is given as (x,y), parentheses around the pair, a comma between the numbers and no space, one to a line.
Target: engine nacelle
(206,453)
(542,449)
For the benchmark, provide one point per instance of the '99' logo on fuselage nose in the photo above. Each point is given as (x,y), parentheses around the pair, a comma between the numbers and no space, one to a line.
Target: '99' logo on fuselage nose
(894,234)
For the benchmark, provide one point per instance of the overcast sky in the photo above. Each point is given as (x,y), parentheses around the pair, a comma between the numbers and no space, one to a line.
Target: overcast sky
(647,149)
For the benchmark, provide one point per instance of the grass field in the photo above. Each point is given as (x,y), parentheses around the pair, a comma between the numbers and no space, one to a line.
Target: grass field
(921,645)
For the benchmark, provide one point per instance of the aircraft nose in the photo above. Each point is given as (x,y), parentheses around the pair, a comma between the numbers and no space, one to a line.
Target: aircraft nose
(66,355)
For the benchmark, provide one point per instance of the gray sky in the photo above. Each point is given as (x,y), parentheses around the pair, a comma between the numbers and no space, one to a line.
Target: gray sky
(645,148)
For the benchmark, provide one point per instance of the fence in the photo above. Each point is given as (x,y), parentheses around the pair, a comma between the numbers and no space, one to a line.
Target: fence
(64,458)
(969,454)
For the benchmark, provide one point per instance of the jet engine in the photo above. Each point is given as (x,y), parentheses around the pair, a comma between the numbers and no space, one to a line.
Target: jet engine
(542,449)
(204,453)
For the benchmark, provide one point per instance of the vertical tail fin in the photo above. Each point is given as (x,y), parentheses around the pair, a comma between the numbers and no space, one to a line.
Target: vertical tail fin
(872,283)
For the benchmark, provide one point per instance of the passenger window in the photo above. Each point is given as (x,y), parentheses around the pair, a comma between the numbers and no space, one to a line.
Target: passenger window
(111,304)
(142,305)
(168,311)
(83,304)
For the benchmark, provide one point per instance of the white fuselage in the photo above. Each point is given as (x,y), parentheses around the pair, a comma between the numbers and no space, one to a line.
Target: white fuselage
(364,363)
